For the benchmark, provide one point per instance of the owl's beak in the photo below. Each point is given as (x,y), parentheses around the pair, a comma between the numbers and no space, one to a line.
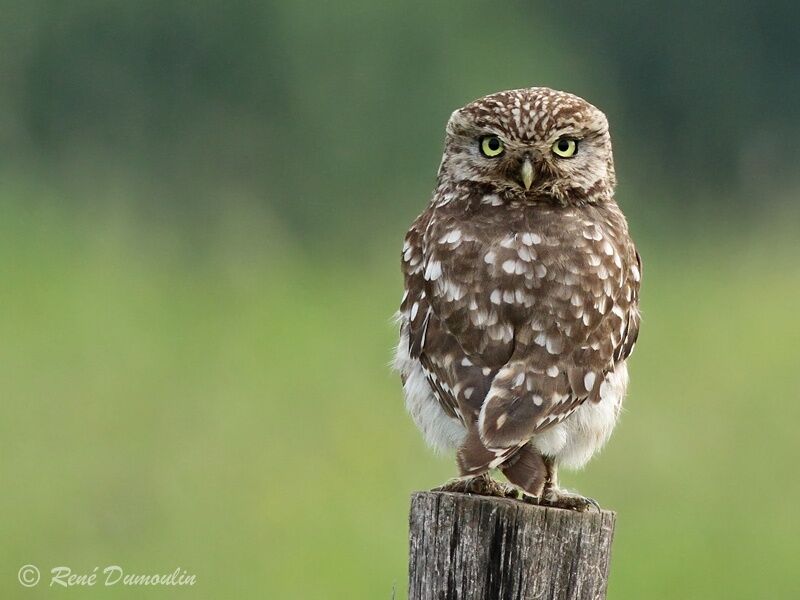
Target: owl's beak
(527,173)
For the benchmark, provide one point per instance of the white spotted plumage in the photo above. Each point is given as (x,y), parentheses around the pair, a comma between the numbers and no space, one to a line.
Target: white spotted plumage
(521,290)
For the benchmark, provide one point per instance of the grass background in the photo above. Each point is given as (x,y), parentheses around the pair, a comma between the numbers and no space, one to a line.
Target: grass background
(201,211)
(225,406)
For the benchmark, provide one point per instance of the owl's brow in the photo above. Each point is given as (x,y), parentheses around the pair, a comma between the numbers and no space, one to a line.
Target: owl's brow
(578,132)
(489,125)
(566,132)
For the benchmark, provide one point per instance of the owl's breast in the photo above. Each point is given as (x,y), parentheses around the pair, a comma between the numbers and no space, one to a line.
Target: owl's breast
(503,281)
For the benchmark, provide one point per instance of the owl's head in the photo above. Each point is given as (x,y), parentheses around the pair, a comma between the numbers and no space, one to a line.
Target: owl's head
(529,143)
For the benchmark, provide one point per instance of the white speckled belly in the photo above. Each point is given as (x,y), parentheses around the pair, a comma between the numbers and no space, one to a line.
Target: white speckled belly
(441,431)
(574,441)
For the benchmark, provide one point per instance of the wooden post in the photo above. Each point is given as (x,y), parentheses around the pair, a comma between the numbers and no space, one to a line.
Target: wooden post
(479,548)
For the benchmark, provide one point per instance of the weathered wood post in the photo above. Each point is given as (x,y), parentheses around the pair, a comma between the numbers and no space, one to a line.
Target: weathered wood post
(478,548)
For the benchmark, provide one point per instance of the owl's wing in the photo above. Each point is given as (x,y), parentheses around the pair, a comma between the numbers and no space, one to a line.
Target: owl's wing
(630,332)
(458,384)
(550,375)
(415,307)
(418,319)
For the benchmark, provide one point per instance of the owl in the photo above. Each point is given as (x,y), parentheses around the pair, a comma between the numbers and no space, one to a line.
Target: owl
(521,295)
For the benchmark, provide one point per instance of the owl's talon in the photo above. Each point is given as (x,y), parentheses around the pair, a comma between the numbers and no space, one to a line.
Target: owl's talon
(479,485)
(568,501)
(530,499)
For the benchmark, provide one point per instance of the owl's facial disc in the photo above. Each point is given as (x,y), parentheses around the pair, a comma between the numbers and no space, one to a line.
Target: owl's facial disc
(530,144)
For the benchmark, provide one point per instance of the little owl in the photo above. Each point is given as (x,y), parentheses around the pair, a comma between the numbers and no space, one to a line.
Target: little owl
(521,295)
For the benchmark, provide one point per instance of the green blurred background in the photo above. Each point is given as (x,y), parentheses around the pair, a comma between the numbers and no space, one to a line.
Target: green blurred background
(201,210)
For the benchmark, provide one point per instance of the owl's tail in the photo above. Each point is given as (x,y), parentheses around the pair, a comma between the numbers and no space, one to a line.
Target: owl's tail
(522,465)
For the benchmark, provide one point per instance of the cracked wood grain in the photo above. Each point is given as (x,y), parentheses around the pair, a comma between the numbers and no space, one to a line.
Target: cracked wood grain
(479,548)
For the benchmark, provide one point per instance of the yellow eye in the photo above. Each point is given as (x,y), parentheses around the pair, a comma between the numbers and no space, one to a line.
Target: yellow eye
(565,148)
(491,146)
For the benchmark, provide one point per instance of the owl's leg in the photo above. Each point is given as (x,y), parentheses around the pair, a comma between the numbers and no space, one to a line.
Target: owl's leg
(527,470)
(474,462)
(558,498)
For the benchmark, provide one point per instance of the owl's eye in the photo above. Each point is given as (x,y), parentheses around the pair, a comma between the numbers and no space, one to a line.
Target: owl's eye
(565,148)
(491,146)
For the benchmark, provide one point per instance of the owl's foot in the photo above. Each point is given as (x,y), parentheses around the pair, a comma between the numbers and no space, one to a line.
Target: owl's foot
(480,485)
(557,498)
